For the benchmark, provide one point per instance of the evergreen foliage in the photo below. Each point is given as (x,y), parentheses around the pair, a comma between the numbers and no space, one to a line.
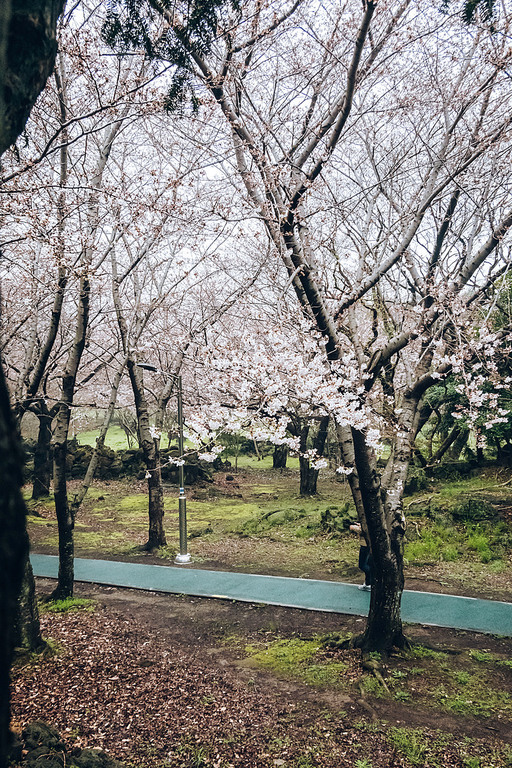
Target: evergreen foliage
(471,8)
(169,31)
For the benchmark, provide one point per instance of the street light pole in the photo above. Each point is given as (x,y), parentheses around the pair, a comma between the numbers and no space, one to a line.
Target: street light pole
(183,557)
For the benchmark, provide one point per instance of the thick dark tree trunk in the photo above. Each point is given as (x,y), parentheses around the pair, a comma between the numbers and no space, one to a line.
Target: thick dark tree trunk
(28,629)
(65,522)
(29,34)
(13,554)
(156,532)
(384,627)
(308,478)
(280,457)
(308,474)
(64,512)
(42,458)
(27,55)
(151,451)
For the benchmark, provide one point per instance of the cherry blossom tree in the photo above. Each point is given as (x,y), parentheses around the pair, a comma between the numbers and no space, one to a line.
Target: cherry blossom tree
(88,108)
(377,163)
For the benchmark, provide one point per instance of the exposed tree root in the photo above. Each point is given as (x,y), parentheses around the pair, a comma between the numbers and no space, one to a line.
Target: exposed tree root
(399,644)
(375,667)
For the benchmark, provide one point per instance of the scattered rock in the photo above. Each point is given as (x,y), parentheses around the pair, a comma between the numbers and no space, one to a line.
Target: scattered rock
(40,734)
(42,747)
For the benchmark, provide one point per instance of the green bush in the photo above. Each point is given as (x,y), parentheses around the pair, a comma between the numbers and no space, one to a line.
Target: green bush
(336,520)
(417,480)
(472,510)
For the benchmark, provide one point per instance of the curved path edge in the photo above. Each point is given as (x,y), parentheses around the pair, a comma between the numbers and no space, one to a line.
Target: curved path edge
(468,613)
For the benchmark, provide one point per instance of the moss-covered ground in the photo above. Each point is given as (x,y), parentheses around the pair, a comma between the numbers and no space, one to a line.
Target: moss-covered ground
(459,534)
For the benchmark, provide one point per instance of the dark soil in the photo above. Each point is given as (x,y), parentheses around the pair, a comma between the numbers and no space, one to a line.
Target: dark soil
(163,680)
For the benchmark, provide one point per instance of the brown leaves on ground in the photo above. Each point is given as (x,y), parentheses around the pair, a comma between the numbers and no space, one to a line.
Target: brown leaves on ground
(115,685)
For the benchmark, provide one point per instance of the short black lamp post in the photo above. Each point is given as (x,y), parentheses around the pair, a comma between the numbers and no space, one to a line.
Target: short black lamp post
(183,557)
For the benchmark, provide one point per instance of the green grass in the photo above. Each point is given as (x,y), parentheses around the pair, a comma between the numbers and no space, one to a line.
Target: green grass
(68,605)
(422,652)
(412,743)
(115,438)
(302,660)
(450,543)
(472,703)
(250,461)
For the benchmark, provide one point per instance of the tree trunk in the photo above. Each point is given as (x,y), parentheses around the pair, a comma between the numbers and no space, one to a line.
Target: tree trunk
(42,458)
(100,443)
(458,446)
(308,478)
(447,443)
(27,54)
(151,450)
(65,521)
(308,474)
(29,46)
(13,554)
(156,533)
(65,517)
(28,628)
(280,457)
(384,627)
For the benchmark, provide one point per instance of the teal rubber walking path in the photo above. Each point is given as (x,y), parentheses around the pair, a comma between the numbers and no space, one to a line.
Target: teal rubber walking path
(431,608)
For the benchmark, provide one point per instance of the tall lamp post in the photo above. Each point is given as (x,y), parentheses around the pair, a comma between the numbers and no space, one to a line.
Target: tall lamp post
(183,557)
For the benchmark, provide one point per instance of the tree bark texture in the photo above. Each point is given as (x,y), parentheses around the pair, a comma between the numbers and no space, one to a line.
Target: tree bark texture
(27,56)
(13,554)
(65,521)
(384,627)
(156,532)
(280,457)
(29,46)
(65,518)
(150,449)
(28,628)
(42,457)
(308,474)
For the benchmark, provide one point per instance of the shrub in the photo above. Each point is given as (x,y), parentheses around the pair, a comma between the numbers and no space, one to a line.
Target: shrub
(417,480)
(336,520)
(472,510)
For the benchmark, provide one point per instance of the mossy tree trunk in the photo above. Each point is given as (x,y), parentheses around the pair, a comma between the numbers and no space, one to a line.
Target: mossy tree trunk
(28,628)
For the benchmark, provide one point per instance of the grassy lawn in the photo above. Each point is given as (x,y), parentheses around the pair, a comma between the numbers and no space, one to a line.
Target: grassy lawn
(115,439)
